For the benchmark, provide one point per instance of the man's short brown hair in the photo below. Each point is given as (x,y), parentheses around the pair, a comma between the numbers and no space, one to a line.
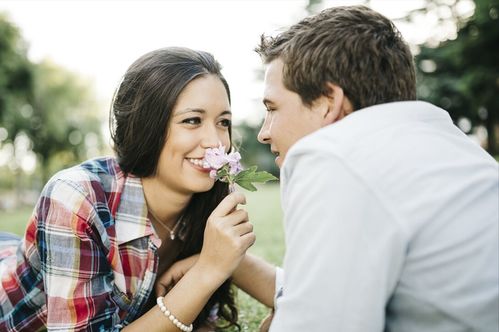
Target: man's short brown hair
(353,47)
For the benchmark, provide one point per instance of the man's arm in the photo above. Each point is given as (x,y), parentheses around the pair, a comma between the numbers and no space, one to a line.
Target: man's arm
(257,278)
(344,249)
(254,275)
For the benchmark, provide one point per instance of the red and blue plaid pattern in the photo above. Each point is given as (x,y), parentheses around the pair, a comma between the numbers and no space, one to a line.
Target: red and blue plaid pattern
(88,258)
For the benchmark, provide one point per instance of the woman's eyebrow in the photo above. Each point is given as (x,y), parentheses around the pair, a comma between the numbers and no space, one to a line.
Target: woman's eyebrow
(200,111)
(188,110)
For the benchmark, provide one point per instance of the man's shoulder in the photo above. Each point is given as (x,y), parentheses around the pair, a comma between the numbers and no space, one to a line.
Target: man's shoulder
(379,126)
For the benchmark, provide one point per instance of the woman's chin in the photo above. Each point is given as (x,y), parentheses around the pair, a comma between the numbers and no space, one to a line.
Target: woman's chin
(202,187)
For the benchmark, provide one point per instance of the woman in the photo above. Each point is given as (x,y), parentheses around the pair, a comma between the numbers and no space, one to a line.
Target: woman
(103,231)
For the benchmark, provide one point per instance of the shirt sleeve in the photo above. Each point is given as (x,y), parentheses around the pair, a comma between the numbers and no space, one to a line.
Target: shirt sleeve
(279,284)
(77,276)
(344,250)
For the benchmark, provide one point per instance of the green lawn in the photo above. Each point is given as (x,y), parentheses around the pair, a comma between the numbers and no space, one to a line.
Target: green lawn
(265,213)
(15,221)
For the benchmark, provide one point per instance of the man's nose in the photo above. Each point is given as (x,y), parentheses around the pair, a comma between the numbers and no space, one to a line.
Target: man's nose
(264,133)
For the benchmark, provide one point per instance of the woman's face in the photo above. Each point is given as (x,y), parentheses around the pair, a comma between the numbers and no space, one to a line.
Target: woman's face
(200,120)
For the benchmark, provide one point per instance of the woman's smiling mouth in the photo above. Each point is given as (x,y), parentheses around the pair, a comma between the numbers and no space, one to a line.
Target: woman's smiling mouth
(198,164)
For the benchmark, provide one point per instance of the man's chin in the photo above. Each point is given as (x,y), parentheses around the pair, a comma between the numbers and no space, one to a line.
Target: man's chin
(278,161)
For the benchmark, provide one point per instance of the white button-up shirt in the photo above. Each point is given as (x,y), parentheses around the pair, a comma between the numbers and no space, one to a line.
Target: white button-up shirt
(391,223)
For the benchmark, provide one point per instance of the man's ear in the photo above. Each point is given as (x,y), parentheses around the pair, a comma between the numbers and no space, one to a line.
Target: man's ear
(338,104)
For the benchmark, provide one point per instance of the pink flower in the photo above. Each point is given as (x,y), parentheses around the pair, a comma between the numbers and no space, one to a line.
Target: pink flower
(215,158)
(234,160)
(213,174)
(222,166)
(227,168)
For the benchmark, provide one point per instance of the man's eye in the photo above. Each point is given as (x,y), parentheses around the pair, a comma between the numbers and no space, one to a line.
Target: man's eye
(225,122)
(192,121)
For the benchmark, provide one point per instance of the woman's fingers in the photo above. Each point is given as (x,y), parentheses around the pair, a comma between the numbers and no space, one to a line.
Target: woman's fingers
(243,228)
(236,217)
(167,280)
(163,286)
(228,234)
(265,324)
(228,204)
(248,240)
(173,275)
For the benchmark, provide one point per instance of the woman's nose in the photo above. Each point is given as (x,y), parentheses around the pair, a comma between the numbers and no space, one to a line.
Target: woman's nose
(211,138)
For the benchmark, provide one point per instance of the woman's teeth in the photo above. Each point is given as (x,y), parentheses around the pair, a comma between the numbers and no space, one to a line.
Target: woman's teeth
(197,162)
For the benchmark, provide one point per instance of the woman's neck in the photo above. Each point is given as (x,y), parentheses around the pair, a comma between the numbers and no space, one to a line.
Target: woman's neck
(166,204)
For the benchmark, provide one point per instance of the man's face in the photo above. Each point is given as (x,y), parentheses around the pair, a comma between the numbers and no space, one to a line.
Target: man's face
(287,119)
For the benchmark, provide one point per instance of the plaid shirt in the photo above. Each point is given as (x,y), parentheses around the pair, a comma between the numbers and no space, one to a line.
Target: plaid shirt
(88,259)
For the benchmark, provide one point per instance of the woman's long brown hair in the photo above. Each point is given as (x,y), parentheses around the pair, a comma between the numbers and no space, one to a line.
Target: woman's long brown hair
(139,119)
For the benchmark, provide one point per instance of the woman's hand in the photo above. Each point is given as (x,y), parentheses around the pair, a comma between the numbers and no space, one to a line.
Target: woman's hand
(168,279)
(265,324)
(227,236)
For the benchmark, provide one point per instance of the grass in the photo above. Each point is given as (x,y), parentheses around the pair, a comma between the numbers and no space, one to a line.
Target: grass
(265,213)
(15,221)
(264,210)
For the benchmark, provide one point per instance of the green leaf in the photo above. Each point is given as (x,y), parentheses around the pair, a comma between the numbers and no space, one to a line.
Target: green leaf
(245,178)
(262,177)
(247,185)
(255,176)
(245,173)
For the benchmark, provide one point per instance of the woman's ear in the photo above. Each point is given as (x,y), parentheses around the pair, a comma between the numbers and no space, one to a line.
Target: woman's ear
(338,104)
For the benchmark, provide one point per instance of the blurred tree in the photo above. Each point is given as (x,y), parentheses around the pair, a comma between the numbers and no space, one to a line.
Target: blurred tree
(16,79)
(462,75)
(47,114)
(16,82)
(64,123)
(44,109)
(313,6)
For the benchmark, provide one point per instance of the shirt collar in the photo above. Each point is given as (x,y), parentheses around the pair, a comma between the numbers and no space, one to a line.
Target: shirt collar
(131,218)
(400,111)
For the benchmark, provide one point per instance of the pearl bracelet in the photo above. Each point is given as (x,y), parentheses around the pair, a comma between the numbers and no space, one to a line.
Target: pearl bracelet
(171,317)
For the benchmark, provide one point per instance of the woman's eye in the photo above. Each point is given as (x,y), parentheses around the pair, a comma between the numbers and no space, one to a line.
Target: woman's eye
(225,122)
(192,121)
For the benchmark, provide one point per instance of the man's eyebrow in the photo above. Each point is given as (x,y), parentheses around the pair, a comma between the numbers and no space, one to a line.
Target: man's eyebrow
(267,101)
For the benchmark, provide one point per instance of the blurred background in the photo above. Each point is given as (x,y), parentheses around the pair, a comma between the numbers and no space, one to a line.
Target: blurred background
(60,62)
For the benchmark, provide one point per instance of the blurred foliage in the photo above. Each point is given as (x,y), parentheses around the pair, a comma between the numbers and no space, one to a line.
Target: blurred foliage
(313,6)
(462,75)
(47,113)
(64,122)
(254,152)
(16,77)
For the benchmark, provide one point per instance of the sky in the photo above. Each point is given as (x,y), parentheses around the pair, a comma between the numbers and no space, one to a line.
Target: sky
(100,39)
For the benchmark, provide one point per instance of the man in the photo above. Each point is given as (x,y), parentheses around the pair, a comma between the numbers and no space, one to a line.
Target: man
(391,213)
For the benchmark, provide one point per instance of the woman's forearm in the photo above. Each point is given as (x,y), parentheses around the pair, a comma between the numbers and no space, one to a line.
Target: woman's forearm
(257,278)
(185,301)
(227,236)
